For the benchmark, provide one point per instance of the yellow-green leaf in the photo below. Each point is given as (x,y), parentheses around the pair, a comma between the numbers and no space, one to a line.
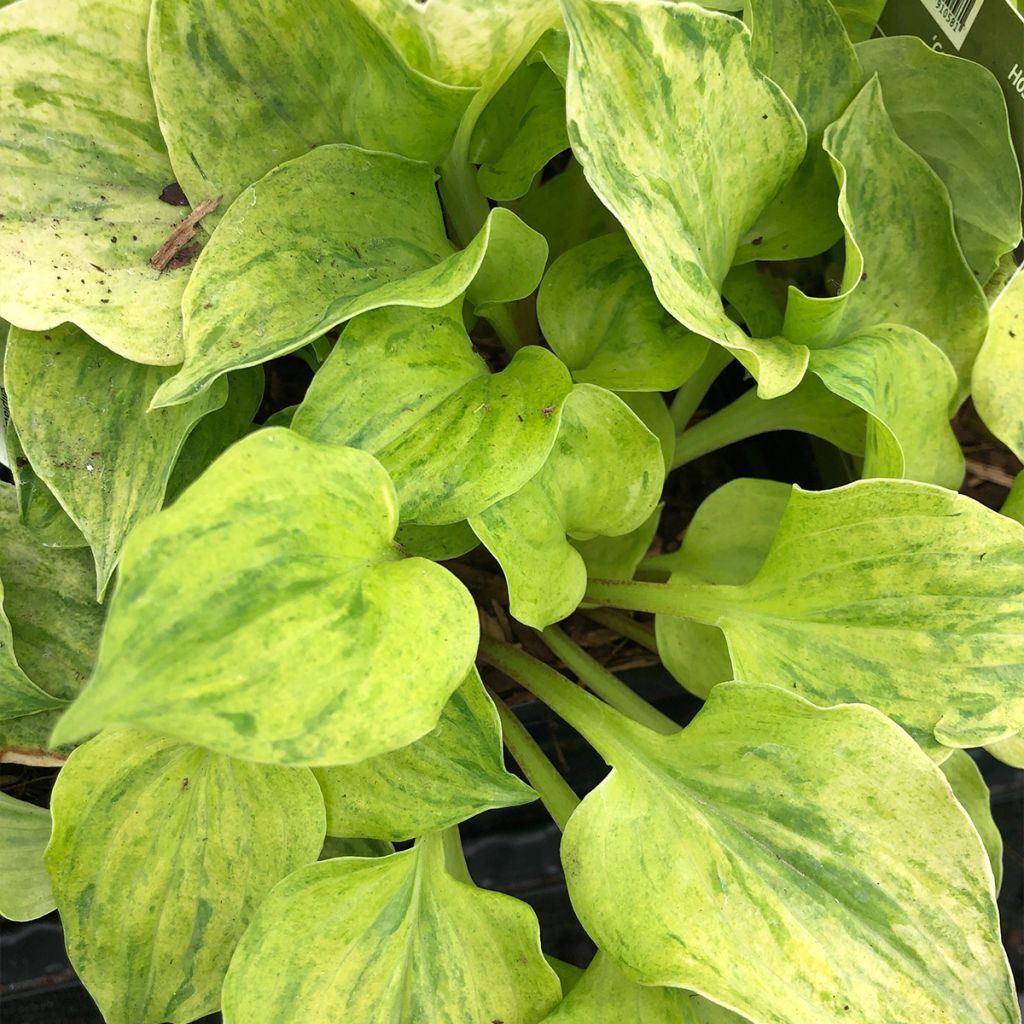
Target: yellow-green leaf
(24,833)
(900,595)
(407,386)
(904,264)
(383,939)
(280,271)
(81,413)
(795,864)
(602,478)
(452,773)
(83,168)
(600,315)
(642,77)
(969,788)
(161,854)
(331,77)
(276,574)
(952,112)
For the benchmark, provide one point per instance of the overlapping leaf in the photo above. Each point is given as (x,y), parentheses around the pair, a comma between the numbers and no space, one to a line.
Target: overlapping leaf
(160,855)
(952,112)
(969,788)
(602,478)
(899,595)
(452,773)
(407,386)
(792,863)
(401,940)
(895,209)
(268,614)
(83,169)
(802,220)
(331,77)
(642,77)
(323,238)
(24,833)
(600,315)
(81,413)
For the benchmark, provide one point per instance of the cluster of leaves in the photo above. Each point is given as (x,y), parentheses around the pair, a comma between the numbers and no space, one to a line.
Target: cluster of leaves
(513,243)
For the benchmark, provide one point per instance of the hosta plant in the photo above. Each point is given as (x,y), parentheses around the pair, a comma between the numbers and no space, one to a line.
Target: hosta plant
(352,345)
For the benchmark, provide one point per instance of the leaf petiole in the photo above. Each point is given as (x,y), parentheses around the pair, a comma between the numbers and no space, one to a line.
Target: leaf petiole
(700,602)
(606,684)
(555,793)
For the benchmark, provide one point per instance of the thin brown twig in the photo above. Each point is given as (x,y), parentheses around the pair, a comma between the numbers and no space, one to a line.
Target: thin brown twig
(182,235)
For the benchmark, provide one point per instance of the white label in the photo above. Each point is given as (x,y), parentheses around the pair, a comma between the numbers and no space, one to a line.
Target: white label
(955,17)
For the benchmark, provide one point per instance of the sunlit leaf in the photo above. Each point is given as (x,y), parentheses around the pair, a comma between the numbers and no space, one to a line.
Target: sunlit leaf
(382,939)
(276,574)
(24,833)
(644,76)
(602,478)
(84,166)
(160,855)
(407,386)
(452,773)
(795,864)
(279,271)
(82,420)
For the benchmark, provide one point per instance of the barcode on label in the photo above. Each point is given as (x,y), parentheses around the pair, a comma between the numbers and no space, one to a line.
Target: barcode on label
(955,17)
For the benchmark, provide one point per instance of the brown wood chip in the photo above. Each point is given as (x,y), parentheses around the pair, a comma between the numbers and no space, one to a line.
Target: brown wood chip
(164,257)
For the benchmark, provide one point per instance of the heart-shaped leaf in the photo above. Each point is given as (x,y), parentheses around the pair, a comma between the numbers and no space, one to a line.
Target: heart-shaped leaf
(279,273)
(452,773)
(599,314)
(195,648)
(402,940)
(24,833)
(751,858)
(407,386)
(952,112)
(901,595)
(151,934)
(84,168)
(642,76)
(602,478)
(340,81)
(82,418)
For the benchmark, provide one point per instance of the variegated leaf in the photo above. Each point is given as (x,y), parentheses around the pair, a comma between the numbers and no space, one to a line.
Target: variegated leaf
(24,833)
(279,272)
(406,386)
(452,773)
(160,855)
(969,788)
(81,413)
(382,939)
(795,864)
(277,573)
(643,76)
(84,167)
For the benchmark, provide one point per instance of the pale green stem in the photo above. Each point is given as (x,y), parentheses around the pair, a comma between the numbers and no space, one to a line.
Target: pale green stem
(599,724)
(454,857)
(692,393)
(605,684)
(554,792)
(700,602)
(624,625)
